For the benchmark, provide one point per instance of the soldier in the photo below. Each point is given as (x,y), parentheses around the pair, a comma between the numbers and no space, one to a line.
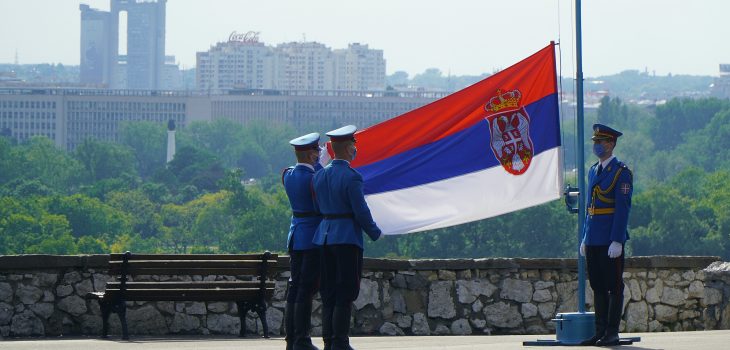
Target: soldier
(304,255)
(338,192)
(610,183)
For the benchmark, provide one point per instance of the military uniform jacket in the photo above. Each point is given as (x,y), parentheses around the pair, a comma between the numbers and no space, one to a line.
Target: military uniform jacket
(297,181)
(338,191)
(608,205)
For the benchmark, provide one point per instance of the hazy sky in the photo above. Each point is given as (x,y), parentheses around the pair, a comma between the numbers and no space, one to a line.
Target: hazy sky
(457,36)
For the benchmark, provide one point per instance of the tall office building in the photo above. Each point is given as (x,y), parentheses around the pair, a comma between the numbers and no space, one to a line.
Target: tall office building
(142,66)
(245,63)
(240,63)
(97,54)
(305,66)
(359,68)
(145,41)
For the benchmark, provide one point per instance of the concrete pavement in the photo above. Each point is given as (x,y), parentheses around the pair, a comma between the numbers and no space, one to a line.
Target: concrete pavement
(701,340)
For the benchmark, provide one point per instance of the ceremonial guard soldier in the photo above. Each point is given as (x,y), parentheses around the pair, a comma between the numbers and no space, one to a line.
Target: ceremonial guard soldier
(610,184)
(304,255)
(338,192)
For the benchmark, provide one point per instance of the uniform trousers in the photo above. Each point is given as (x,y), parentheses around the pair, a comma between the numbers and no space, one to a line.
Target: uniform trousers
(605,274)
(341,270)
(305,278)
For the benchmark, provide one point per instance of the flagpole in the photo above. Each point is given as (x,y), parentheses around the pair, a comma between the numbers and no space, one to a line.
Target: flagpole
(572,328)
(581,157)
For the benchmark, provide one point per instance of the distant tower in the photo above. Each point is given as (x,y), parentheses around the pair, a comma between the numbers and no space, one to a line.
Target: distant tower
(97,52)
(170,140)
(145,41)
(142,66)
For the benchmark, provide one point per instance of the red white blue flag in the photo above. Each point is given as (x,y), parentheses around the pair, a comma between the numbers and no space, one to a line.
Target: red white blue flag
(489,149)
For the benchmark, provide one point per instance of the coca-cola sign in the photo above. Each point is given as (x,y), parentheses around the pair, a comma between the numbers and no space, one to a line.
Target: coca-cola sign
(247,37)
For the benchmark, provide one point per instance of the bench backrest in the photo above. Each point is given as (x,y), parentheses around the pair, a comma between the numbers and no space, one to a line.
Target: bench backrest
(261,266)
(264,264)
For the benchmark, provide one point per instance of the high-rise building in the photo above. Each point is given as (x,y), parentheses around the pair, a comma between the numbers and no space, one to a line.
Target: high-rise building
(305,66)
(243,62)
(145,41)
(97,54)
(142,65)
(359,68)
(240,63)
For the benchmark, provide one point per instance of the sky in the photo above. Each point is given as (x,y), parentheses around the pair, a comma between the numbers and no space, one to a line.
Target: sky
(459,37)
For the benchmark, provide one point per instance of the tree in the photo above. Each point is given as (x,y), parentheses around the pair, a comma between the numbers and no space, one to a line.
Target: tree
(89,216)
(102,160)
(194,166)
(148,142)
(143,213)
(40,160)
(680,116)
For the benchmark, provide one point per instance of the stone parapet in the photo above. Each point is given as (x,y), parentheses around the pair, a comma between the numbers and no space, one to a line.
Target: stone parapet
(43,295)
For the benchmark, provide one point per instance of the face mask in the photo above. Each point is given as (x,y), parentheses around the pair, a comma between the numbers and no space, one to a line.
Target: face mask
(354,153)
(599,150)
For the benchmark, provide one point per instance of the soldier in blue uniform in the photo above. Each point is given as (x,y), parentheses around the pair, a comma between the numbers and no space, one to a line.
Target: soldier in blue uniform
(610,183)
(338,192)
(304,255)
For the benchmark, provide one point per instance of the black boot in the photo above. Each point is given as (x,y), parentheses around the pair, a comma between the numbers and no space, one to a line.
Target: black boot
(289,325)
(327,326)
(615,306)
(341,328)
(600,302)
(302,324)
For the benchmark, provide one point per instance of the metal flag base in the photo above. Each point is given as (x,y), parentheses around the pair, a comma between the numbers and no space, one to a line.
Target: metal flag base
(572,328)
(549,342)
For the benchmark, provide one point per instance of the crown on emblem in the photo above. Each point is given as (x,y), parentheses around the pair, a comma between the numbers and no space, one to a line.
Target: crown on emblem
(509,99)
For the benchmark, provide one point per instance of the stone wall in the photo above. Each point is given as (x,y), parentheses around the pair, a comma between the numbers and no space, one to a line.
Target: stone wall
(44,295)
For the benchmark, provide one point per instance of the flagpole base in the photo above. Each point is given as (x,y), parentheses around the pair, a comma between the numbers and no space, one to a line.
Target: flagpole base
(572,328)
(549,342)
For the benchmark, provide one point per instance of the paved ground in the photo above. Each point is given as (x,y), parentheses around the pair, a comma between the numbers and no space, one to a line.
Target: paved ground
(679,340)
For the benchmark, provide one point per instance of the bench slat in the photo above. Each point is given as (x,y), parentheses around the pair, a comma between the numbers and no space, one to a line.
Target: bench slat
(189,263)
(188,294)
(133,257)
(190,285)
(191,271)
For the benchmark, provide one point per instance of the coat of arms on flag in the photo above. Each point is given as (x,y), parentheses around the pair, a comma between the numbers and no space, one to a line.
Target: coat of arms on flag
(510,131)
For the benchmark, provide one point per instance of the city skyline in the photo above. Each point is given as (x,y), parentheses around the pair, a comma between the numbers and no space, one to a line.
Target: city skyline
(465,38)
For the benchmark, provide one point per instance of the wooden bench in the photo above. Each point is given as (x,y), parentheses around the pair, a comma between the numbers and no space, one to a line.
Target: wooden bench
(250,289)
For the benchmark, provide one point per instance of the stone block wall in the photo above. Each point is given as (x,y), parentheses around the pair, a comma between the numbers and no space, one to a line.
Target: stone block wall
(43,295)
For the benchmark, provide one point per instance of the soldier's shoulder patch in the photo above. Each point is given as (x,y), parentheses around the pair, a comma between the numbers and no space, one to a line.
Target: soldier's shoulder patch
(625,188)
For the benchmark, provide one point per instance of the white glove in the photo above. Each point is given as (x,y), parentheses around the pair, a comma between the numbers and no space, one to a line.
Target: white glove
(615,250)
(582,249)
(324,156)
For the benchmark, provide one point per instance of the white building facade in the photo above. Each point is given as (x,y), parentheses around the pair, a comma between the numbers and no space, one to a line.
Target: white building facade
(243,62)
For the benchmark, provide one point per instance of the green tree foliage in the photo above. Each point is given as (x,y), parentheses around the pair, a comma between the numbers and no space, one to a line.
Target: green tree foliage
(196,167)
(89,216)
(612,111)
(678,117)
(103,160)
(148,143)
(687,216)
(144,214)
(39,160)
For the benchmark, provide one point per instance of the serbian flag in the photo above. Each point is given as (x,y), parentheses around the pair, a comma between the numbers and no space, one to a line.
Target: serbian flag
(489,149)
